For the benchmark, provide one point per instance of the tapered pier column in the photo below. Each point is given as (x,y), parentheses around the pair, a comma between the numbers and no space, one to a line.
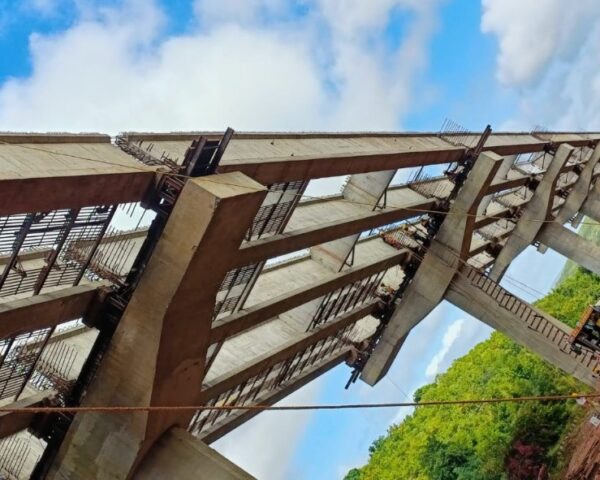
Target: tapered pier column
(157,355)
(442,260)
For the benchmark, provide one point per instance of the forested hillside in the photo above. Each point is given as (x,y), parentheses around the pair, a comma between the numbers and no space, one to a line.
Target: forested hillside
(500,441)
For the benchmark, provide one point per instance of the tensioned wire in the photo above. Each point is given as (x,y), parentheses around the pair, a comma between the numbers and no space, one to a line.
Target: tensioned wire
(343,406)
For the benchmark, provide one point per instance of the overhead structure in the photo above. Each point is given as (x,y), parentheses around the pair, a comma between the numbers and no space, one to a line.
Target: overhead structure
(170,269)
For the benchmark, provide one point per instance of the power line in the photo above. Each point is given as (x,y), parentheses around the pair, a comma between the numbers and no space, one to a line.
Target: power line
(346,406)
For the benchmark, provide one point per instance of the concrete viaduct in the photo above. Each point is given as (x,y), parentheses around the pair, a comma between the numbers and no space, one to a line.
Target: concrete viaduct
(240,289)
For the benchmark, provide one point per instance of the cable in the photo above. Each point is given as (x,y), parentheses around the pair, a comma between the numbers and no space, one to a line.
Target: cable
(346,406)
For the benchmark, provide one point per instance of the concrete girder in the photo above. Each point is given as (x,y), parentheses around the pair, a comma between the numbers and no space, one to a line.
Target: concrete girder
(280,157)
(229,380)
(265,311)
(45,310)
(70,172)
(157,354)
(299,239)
(502,174)
(179,455)
(521,322)
(536,211)
(14,422)
(571,245)
(449,248)
(272,170)
(365,189)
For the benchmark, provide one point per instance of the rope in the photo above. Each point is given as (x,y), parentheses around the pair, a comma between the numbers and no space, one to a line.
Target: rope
(349,406)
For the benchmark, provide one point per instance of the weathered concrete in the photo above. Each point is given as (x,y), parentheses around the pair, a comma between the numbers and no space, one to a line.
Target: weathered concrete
(450,247)
(67,172)
(258,313)
(178,455)
(365,189)
(221,384)
(580,191)
(299,239)
(46,310)
(534,214)
(158,352)
(573,246)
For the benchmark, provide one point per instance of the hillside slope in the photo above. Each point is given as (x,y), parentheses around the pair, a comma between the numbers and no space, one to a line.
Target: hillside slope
(498,441)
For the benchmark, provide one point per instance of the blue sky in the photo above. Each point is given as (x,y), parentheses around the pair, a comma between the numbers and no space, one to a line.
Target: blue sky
(85,65)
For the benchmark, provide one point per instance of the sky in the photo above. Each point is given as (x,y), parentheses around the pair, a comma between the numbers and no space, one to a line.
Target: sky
(114,65)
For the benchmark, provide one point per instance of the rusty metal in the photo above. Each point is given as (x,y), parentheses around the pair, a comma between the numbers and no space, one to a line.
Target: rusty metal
(14,453)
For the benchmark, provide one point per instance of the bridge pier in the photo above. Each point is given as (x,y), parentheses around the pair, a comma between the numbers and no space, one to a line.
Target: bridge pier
(443,259)
(157,354)
(179,455)
(537,210)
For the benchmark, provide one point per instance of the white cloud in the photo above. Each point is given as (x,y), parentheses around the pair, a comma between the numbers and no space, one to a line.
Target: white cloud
(264,445)
(533,33)
(548,54)
(448,341)
(243,11)
(108,73)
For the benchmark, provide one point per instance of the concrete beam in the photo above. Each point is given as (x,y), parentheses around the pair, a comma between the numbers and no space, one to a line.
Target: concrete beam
(536,211)
(521,322)
(43,177)
(12,422)
(365,189)
(230,379)
(179,455)
(299,239)
(272,170)
(573,246)
(45,310)
(158,352)
(443,258)
(264,311)
(270,397)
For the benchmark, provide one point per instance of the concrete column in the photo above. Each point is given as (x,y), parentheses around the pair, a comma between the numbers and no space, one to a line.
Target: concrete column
(537,210)
(580,190)
(157,355)
(442,260)
(571,245)
(502,174)
(179,455)
(367,189)
(550,343)
(591,206)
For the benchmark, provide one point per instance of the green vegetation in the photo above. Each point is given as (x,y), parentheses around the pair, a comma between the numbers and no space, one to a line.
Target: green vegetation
(499,441)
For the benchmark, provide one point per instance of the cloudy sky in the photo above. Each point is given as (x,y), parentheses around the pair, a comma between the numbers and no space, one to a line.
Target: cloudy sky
(85,65)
